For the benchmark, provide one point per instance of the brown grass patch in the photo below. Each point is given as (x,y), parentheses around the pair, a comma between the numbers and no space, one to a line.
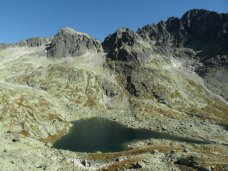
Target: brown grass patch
(132,152)
(120,79)
(53,138)
(24,133)
(90,102)
(194,86)
(215,110)
(124,164)
(53,117)
(175,94)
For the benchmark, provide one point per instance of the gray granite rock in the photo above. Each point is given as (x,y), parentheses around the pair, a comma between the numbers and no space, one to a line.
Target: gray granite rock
(199,38)
(5,46)
(69,43)
(116,45)
(201,30)
(34,42)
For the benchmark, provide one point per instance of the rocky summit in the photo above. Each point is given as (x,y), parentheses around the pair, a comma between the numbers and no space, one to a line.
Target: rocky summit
(170,77)
(68,42)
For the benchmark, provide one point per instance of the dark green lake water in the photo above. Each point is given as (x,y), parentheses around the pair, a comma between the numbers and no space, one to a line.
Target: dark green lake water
(107,136)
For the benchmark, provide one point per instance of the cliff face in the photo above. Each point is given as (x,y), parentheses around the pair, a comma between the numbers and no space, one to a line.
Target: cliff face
(200,30)
(68,43)
(170,77)
(197,40)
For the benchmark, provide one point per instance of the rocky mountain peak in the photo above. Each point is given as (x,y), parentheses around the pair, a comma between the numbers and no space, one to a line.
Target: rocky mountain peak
(5,46)
(34,42)
(67,30)
(194,27)
(69,43)
(31,42)
(205,26)
(197,13)
(123,36)
(203,31)
(198,39)
(118,45)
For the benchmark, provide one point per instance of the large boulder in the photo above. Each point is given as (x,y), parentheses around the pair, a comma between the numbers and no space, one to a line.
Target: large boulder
(69,43)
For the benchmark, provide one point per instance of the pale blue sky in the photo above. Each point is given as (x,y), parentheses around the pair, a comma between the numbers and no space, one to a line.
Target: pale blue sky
(21,19)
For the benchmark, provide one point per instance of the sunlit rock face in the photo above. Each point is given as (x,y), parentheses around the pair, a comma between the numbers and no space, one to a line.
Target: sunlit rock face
(196,42)
(196,29)
(68,43)
(117,45)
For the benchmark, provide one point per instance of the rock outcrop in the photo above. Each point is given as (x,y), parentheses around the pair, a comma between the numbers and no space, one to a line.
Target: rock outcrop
(203,31)
(69,43)
(198,39)
(121,46)
(151,59)
(34,42)
(5,46)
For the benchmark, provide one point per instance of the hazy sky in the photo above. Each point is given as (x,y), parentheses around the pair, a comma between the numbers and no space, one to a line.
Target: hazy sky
(21,19)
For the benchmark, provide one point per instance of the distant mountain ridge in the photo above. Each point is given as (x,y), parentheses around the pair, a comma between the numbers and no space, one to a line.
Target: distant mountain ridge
(199,37)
